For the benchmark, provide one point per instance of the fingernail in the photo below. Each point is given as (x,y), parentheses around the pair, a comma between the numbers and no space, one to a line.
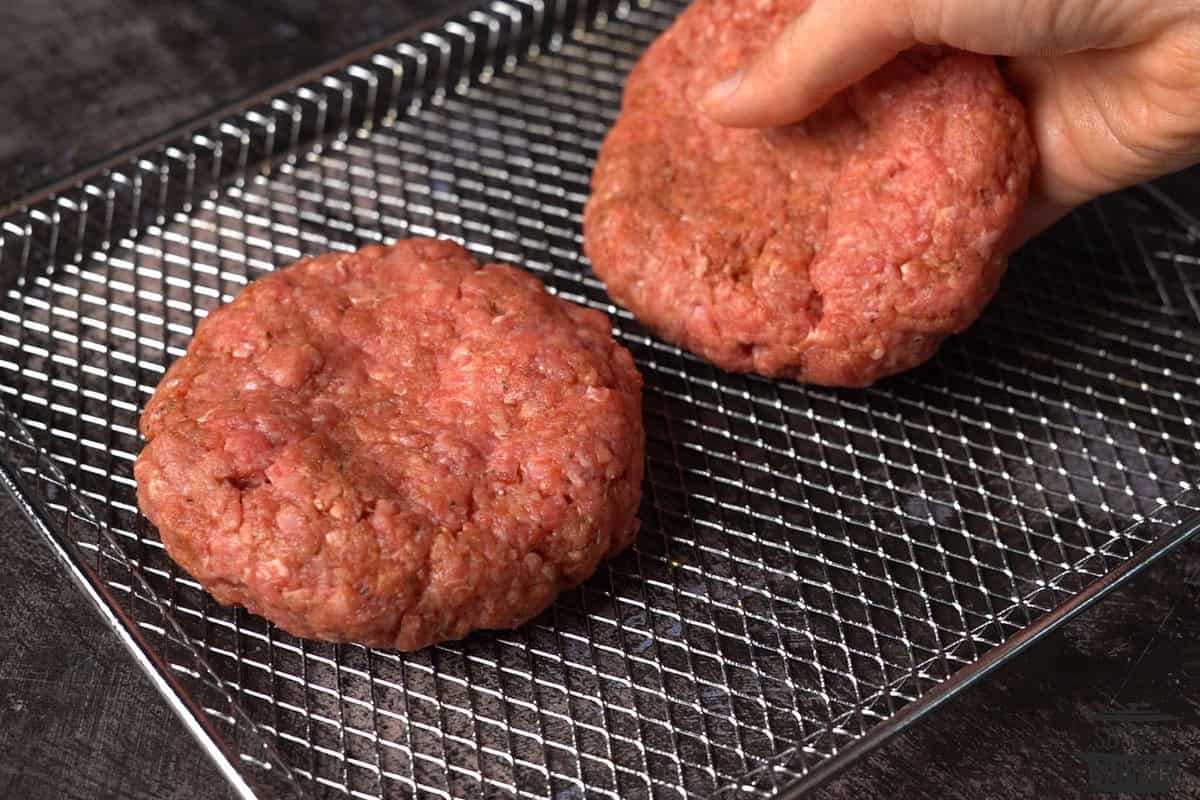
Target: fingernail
(722,90)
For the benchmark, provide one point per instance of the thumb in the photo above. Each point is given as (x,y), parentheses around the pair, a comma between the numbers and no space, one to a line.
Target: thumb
(833,44)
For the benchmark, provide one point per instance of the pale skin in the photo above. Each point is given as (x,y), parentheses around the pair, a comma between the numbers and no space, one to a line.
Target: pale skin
(1112,87)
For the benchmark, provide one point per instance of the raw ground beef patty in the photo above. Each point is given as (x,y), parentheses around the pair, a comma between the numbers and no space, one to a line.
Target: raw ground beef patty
(837,251)
(395,447)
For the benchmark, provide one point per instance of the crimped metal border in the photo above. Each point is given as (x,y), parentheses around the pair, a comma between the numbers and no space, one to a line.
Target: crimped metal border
(998,656)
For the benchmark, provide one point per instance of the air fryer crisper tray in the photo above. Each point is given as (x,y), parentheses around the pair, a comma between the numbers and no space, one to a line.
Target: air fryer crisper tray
(816,568)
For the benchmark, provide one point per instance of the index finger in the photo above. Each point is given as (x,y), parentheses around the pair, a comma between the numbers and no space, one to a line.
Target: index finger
(836,43)
(830,46)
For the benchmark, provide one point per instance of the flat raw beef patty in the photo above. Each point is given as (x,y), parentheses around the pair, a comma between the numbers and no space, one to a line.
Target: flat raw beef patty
(837,251)
(395,447)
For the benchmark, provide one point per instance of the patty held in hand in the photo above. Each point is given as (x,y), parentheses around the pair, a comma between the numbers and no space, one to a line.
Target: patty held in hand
(836,251)
(395,447)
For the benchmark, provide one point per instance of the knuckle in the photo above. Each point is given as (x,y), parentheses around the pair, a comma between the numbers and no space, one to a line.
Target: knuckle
(1187,52)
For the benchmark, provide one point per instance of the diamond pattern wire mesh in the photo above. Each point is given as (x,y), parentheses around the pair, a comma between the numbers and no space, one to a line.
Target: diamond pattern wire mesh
(811,560)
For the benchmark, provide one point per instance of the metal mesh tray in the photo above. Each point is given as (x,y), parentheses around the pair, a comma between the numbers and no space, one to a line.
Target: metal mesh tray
(817,568)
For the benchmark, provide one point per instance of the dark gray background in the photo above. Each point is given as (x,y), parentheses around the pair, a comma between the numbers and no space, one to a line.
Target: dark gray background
(82,78)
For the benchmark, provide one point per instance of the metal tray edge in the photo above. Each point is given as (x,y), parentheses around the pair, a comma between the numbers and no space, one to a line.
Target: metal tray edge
(96,168)
(102,602)
(972,674)
(109,610)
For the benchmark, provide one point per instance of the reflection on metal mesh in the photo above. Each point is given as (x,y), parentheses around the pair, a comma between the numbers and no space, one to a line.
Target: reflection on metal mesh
(812,560)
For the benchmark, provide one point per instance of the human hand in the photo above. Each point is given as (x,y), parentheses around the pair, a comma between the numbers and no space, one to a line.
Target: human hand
(1112,87)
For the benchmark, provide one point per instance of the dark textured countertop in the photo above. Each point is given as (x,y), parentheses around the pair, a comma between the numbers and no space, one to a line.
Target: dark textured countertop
(78,720)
